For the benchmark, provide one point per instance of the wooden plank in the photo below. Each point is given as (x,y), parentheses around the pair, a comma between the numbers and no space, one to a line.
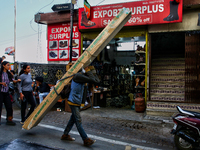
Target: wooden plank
(84,60)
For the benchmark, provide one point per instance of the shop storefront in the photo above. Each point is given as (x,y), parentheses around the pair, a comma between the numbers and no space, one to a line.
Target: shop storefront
(147,54)
(123,64)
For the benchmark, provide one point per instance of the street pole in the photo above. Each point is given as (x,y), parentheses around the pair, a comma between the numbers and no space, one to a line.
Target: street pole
(71,32)
(14,33)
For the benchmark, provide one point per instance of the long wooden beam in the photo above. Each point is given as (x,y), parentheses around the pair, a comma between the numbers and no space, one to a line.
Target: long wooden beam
(84,60)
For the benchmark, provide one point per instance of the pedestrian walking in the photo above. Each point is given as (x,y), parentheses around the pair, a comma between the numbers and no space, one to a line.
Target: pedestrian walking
(74,101)
(26,92)
(5,78)
(42,88)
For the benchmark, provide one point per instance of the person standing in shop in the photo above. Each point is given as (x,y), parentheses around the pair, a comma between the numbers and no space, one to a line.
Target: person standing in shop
(26,92)
(5,78)
(75,98)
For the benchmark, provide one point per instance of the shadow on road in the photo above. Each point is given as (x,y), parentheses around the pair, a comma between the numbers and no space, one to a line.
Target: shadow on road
(18,144)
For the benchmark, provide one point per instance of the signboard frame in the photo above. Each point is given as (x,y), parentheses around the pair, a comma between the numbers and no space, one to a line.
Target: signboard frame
(58,42)
(143,13)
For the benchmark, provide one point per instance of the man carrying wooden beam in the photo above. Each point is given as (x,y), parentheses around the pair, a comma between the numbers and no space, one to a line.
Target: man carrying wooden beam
(88,75)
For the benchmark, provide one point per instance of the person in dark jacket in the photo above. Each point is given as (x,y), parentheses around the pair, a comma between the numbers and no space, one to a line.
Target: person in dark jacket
(42,88)
(74,101)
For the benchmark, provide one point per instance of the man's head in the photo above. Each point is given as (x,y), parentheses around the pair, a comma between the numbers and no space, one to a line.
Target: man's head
(86,68)
(90,68)
(39,80)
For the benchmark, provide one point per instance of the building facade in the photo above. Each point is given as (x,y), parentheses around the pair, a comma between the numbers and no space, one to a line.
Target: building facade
(154,54)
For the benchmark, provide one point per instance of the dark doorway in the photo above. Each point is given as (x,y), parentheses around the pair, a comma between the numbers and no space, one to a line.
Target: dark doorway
(167,67)
(168,45)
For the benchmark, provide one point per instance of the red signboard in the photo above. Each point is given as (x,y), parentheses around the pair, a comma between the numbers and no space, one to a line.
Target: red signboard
(59,40)
(143,13)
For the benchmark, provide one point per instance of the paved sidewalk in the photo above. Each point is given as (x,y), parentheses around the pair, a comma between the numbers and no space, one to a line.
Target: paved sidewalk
(117,122)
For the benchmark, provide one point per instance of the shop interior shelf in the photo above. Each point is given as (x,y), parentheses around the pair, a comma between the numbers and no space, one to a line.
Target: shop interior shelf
(140,64)
(140,52)
(139,87)
(139,75)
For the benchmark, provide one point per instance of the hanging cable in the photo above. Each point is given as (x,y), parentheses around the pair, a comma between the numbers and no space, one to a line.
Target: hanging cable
(18,39)
(38,12)
(100,2)
(39,54)
(31,25)
(38,45)
(45,6)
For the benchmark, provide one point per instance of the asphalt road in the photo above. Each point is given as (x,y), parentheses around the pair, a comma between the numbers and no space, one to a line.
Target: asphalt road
(109,132)
(49,136)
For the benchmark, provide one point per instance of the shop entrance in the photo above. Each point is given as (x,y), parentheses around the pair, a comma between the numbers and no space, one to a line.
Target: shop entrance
(167,67)
(121,69)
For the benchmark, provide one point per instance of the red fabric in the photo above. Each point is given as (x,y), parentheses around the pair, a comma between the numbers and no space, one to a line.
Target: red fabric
(11,98)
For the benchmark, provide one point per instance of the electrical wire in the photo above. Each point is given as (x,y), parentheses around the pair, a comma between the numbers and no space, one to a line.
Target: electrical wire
(38,12)
(19,38)
(45,6)
(39,55)
(100,2)
(31,25)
